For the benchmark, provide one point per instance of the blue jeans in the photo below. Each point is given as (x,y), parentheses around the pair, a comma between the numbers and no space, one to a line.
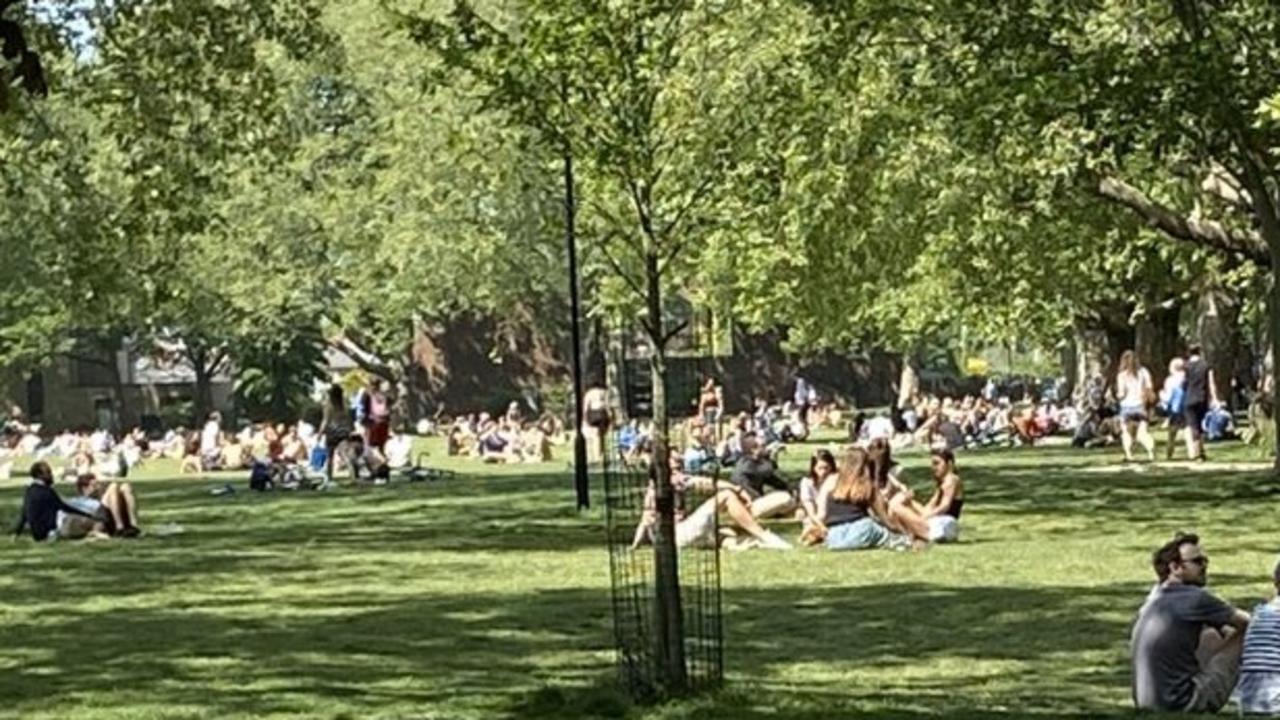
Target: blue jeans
(864,534)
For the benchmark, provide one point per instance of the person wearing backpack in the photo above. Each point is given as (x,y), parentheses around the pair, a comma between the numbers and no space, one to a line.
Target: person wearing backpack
(1172,397)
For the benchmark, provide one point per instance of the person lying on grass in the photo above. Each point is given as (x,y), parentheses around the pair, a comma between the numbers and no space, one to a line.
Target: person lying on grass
(112,510)
(1186,643)
(698,529)
(41,504)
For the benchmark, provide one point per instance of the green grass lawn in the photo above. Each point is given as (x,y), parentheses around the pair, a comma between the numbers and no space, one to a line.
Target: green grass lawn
(488,596)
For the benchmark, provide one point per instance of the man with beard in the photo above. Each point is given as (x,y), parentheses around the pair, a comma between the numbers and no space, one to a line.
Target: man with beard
(1186,643)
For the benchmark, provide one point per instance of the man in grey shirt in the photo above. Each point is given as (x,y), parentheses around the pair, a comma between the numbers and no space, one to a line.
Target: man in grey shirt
(1186,643)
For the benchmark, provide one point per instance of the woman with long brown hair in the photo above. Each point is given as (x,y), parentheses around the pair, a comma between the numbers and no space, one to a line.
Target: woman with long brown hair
(1135,392)
(897,506)
(847,502)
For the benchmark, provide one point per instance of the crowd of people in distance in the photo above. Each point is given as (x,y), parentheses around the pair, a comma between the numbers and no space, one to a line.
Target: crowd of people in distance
(1192,652)
(512,438)
(859,502)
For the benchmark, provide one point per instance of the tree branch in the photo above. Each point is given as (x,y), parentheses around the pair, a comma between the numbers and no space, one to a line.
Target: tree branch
(366,359)
(617,269)
(1222,184)
(1206,233)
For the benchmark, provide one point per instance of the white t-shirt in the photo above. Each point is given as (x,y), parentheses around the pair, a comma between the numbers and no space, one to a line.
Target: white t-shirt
(879,428)
(1130,388)
(398,450)
(209,437)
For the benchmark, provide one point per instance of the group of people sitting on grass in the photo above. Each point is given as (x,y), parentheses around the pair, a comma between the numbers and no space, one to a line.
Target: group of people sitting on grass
(98,511)
(1192,652)
(857,502)
(511,438)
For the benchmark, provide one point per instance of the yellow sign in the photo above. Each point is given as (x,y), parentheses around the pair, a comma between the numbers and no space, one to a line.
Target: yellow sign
(977,366)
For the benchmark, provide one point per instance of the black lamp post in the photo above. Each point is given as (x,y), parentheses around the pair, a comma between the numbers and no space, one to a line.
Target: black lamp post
(580,477)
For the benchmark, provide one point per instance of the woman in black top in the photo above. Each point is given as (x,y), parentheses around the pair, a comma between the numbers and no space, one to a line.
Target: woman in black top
(40,505)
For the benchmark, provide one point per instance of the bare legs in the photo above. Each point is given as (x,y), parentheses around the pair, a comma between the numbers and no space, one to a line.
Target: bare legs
(729,502)
(120,501)
(772,505)
(1139,430)
(903,513)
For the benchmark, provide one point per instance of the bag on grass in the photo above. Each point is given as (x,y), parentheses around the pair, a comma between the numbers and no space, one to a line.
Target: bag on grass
(260,477)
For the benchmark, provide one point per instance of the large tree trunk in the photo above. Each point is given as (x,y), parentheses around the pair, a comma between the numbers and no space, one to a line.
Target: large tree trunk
(1218,328)
(1157,340)
(1092,356)
(118,389)
(668,613)
(204,384)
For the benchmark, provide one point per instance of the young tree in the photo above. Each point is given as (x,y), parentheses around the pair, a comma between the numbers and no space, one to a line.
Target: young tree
(654,104)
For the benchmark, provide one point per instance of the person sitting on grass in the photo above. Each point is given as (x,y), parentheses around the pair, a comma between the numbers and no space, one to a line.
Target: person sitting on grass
(399,450)
(753,473)
(364,461)
(1259,686)
(821,467)
(41,504)
(846,505)
(1186,643)
(113,511)
(698,529)
(535,446)
(943,509)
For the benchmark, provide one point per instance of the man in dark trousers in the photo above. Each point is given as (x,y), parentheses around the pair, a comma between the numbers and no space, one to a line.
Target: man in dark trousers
(1200,394)
(40,506)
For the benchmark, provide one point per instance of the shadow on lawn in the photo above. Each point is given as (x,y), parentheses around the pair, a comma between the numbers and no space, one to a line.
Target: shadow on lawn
(839,631)
(493,652)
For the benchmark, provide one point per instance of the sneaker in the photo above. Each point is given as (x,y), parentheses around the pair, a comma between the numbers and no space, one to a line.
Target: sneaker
(771,541)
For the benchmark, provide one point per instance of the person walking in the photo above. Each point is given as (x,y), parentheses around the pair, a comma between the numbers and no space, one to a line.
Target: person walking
(1135,391)
(1201,394)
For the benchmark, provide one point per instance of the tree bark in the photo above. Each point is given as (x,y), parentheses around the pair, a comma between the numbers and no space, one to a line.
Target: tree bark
(668,612)
(1157,340)
(1218,328)
(1202,232)
(204,384)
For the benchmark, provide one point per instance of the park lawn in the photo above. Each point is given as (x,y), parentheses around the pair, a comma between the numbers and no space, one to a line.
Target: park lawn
(488,596)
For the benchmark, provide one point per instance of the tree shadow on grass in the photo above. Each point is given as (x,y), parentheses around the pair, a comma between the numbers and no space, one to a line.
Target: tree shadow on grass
(497,655)
(843,632)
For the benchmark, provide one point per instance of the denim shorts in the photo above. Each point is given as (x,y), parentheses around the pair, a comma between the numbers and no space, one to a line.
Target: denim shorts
(1259,693)
(864,534)
(1133,413)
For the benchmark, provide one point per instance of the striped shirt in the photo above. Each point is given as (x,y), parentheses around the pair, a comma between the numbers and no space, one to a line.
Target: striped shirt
(1262,641)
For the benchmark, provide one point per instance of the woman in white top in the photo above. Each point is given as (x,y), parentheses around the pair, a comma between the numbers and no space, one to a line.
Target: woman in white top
(1134,390)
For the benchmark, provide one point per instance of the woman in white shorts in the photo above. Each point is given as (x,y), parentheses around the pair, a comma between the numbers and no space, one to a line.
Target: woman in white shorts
(1135,391)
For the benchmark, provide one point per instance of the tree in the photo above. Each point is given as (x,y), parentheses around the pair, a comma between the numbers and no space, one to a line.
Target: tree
(653,103)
